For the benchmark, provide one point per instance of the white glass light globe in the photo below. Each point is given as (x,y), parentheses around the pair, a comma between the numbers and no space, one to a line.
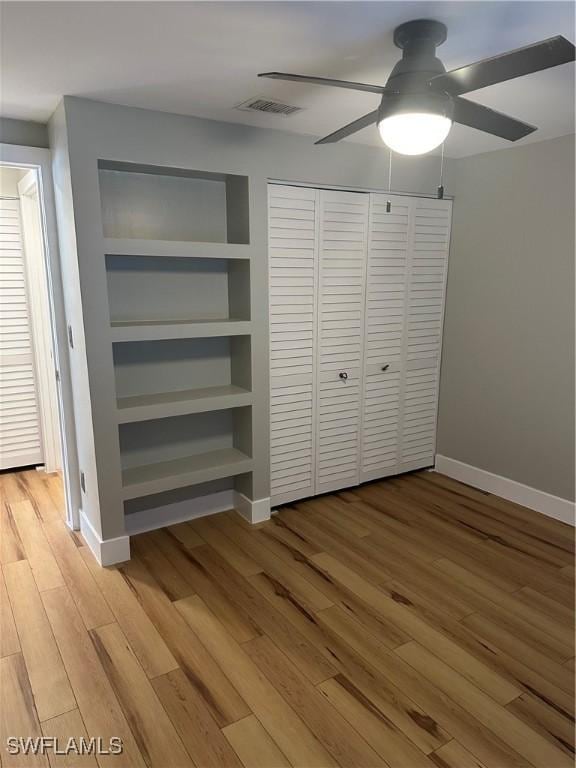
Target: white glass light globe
(414,133)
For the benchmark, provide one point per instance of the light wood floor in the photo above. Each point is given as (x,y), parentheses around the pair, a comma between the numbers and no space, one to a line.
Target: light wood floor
(409,623)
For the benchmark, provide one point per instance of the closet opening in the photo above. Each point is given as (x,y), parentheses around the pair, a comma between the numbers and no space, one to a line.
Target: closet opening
(34,447)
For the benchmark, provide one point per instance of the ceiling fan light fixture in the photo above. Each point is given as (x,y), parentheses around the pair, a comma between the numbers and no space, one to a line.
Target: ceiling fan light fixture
(415,123)
(414,133)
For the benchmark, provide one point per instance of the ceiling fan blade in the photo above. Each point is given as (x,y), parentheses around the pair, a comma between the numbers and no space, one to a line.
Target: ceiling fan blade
(323,81)
(523,61)
(488,120)
(348,130)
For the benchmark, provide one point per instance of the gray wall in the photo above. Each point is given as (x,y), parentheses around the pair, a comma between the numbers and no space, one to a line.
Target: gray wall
(508,364)
(162,207)
(64,204)
(85,131)
(507,383)
(23,132)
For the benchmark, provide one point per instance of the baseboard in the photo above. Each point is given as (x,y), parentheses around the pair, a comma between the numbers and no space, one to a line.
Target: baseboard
(540,501)
(106,551)
(111,551)
(179,512)
(257,511)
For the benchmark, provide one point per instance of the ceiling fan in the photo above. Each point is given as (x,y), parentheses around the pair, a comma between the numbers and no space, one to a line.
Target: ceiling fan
(421,100)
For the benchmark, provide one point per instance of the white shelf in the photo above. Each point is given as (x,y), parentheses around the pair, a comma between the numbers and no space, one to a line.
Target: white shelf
(180,403)
(180,249)
(178,473)
(156,330)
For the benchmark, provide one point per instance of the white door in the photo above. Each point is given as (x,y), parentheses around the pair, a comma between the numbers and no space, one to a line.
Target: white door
(293,267)
(20,439)
(425,296)
(343,223)
(356,313)
(40,320)
(406,280)
(385,325)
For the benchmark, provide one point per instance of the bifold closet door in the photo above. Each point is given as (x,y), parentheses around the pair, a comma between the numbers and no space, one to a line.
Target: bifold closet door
(293,268)
(406,279)
(20,439)
(343,220)
(356,313)
(389,244)
(425,297)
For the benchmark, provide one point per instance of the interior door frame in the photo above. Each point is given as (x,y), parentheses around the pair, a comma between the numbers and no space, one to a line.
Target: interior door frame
(39,311)
(40,160)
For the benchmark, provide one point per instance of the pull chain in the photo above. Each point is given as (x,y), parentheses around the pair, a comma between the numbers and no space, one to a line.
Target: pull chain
(440,191)
(388,202)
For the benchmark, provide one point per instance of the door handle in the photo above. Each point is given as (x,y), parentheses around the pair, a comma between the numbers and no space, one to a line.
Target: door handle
(385,367)
(343,375)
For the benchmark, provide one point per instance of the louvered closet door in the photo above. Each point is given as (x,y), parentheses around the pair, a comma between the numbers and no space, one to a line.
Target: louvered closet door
(341,293)
(292,213)
(428,265)
(388,263)
(20,442)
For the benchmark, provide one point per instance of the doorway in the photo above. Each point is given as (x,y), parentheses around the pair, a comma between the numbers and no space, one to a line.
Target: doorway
(36,415)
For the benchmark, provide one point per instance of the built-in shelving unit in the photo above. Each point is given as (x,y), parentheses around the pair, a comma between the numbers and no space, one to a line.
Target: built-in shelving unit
(155,330)
(176,451)
(178,473)
(178,266)
(155,203)
(175,249)
(149,289)
(180,403)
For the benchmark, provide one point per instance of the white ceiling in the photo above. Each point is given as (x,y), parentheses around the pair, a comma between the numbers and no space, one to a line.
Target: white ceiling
(201,58)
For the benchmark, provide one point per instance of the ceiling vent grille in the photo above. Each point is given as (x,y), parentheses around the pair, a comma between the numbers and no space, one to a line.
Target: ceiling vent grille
(268,106)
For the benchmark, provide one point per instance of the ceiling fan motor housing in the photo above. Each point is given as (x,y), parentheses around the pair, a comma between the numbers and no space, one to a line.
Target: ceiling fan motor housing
(408,87)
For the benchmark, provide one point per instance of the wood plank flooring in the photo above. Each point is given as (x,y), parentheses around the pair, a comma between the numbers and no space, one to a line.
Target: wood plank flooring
(410,623)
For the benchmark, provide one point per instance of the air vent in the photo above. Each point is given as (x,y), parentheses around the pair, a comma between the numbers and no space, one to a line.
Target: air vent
(268,106)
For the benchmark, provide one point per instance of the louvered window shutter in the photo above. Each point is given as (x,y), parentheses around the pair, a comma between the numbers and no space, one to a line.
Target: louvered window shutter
(20,442)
